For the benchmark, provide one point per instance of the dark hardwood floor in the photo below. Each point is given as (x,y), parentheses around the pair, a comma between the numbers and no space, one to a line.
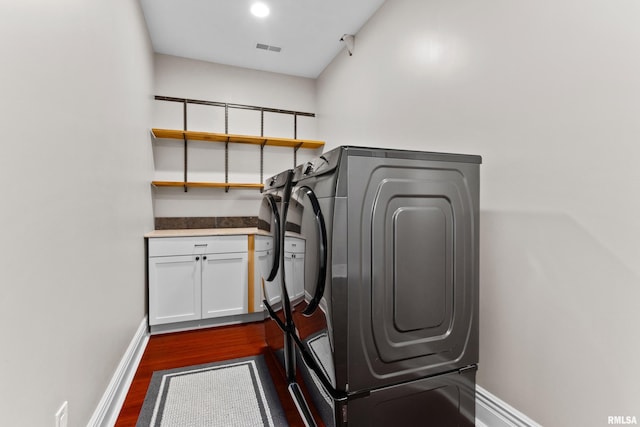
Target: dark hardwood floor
(180,349)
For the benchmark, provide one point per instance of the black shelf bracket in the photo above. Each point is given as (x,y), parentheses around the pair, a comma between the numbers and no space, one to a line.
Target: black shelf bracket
(295,136)
(184,123)
(262,148)
(226,165)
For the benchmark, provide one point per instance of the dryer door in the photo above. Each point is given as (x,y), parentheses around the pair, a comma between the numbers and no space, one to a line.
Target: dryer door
(269,226)
(268,250)
(310,314)
(308,225)
(312,328)
(272,215)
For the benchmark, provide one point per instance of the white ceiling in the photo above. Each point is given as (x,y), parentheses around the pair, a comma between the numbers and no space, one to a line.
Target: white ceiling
(225,32)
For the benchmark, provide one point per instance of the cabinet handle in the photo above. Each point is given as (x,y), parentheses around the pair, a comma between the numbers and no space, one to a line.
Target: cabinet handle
(204,258)
(197,258)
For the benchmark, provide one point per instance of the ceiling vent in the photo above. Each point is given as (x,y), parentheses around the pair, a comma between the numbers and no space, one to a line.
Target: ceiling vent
(267,47)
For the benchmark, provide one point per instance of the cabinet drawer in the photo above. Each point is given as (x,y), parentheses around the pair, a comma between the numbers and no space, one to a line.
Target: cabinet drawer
(168,246)
(293,244)
(263,243)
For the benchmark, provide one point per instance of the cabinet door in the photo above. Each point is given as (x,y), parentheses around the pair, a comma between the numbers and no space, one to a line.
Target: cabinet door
(272,292)
(224,284)
(174,289)
(288,274)
(298,275)
(260,260)
(294,274)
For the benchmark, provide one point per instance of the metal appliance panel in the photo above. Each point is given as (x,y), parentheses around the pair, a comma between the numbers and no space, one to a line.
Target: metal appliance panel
(442,400)
(445,401)
(413,253)
(418,307)
(412,238)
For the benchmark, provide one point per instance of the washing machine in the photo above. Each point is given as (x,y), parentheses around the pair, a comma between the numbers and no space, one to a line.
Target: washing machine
(385,328)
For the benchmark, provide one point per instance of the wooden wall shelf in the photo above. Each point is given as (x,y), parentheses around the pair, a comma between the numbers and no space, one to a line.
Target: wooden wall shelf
(208,184)
(240,139)
(227,138)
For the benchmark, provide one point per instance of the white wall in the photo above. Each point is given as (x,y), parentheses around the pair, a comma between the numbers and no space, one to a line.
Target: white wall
(548,93)
(185,78)
(76,163)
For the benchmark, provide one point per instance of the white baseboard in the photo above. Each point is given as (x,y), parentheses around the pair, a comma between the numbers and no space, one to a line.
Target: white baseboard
(493,412)
(109,406)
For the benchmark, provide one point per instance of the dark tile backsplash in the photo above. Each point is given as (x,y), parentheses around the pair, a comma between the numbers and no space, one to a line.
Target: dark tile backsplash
(180,223)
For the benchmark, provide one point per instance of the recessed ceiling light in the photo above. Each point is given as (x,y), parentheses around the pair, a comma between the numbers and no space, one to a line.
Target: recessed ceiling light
(260,10)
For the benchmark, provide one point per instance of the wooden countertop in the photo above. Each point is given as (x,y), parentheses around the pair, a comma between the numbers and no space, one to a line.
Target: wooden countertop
(196,232)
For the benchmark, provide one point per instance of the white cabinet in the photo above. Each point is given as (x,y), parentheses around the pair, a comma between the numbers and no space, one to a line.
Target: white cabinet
(263,260)
(192,278)
(224,284)
(174,289)
(294,266)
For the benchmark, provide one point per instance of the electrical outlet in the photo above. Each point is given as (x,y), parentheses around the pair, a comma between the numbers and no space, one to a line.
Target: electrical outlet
(62,416)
